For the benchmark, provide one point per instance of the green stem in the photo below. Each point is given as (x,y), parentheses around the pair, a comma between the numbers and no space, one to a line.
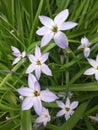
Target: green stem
(26,123)
(67,75)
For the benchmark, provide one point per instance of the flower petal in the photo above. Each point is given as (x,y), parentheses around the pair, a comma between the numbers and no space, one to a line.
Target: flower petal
(67,116)
(96,75)
(47,96)
(97,58)
(61,17)
(61,40)
(67,25)
(36,86)
(27,103)
(42,31)
(39,120)
(38,71)
(25,91)
(37,52)
(86,52)
(48,22)
(30,69)
(67,102)
(81,46)
(90,71)
(92,62)
(46,38)
(32,58)
(71,112)
(44,57)
(23,54)
(45,122)
(16,51)
(37,105)
(31,80)
(74,105)
(45,69)
(85,42)
(16,60)
(60,113)
(60,104)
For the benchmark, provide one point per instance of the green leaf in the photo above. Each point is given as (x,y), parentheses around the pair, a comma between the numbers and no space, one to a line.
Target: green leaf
(26,120)
(77,87)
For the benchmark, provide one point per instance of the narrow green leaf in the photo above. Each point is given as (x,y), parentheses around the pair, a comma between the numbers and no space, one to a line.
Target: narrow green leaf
(34,25)
(77,87)
(8,108)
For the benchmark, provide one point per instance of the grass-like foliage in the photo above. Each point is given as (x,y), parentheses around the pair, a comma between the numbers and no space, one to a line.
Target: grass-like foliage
(67,75)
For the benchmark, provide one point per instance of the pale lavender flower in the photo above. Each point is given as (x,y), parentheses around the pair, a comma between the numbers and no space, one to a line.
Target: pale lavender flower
(38,63)
(33,95)
(85,45)
(19,55)
(44,117)
(52,29)
(67,108)
(94,68)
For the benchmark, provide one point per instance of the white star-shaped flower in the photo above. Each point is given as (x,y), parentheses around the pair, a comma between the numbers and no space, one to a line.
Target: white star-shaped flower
(67,108)
(52,29)
(19,55)
(85,45)
(44,117)
(37,63)
(94,68)
(33,95)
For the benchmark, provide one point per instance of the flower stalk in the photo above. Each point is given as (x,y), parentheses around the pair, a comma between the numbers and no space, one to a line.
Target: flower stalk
(67,74)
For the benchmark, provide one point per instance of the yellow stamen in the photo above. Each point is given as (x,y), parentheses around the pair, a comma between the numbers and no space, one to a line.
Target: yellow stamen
(97,67)
(38,62)
(36,93)
(55,29)
(46,116)
(67,109)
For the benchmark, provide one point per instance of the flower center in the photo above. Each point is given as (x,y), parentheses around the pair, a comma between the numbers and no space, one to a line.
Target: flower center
(55,29)
(97,67)
(67,109)
(46,116)
(36,93)
(38,62)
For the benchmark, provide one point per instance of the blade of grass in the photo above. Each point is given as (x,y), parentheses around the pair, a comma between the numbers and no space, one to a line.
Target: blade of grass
(34,25)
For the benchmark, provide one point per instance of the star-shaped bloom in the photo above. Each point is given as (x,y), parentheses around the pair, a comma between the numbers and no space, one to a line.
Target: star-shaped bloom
(85,45)
(33,95)
(38,63)
(94,68)
(52,29)
(67,108)
(44,117)
(19,55)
